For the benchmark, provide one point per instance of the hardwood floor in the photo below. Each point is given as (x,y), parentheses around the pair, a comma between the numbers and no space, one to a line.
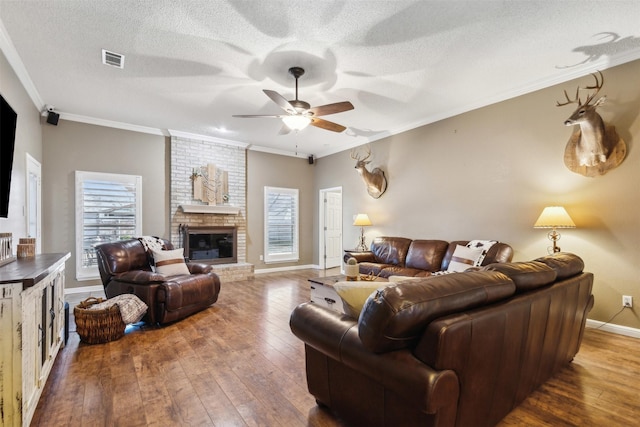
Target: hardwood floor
(238,364)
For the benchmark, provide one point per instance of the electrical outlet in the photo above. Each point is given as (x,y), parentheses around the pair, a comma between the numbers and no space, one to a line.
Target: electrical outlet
(627,301)
(261,258)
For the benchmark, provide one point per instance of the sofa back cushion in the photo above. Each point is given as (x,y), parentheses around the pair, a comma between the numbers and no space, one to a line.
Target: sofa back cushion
(395,316)
(390,250)
(499,252)
(426,254)
(526,275)
(564,264)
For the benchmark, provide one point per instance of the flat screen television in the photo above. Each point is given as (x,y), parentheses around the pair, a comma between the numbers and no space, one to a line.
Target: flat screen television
(8,119)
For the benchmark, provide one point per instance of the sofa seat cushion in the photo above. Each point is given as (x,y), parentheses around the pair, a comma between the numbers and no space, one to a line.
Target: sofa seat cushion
(394,270)
(526,275)
(395,316)
(372,268)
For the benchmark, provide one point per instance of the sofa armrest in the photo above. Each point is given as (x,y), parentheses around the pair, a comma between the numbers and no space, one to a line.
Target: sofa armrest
(336,335)
(140,277)
(199,268)
(366,256)
(182,291)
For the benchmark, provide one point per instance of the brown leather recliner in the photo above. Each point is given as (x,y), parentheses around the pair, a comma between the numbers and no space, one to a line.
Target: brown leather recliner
(125,269)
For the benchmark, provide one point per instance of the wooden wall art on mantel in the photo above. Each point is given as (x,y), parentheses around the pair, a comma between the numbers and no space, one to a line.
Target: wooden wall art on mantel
(595,148)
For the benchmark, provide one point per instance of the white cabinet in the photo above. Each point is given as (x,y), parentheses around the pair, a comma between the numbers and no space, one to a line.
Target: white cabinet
(323,293)
(31,332)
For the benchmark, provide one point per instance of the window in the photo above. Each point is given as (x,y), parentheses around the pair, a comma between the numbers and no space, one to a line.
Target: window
(108,208)
(281,224)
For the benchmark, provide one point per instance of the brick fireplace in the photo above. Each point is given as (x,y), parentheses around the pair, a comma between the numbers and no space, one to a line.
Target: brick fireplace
(213,245)
(189,213)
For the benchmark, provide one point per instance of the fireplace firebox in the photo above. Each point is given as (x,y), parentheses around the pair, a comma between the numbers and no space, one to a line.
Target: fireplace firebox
(211,244)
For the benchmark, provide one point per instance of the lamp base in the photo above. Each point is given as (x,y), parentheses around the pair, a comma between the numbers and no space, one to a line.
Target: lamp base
(554,236)
(362,244)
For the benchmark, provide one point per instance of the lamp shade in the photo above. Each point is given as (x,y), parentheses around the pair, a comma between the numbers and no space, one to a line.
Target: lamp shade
(362,220)
(554,217)
(296,122)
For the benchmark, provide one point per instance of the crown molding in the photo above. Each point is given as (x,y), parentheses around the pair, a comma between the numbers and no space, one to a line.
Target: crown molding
(112,124)
(10,52)
(208,138)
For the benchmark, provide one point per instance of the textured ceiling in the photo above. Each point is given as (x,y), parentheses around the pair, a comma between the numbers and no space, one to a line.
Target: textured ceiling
(191,65)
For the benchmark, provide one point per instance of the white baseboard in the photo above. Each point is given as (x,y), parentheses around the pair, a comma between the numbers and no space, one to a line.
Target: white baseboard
(290,268)
(616,329)
(84,289)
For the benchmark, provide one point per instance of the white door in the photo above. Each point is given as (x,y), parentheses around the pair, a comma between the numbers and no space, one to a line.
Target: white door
(333,229)
(34,201)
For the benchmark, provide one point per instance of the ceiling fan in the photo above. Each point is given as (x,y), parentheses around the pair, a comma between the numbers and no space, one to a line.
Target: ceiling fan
(299,113)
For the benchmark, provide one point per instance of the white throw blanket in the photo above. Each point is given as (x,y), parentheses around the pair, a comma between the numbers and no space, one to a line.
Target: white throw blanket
(152,243)
(132,308)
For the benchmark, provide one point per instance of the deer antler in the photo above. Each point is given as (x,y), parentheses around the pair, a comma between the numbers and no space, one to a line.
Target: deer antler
(355,156)
(570,101)
(597,87)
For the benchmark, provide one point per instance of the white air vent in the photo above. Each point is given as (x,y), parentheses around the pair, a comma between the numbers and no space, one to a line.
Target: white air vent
(113,59)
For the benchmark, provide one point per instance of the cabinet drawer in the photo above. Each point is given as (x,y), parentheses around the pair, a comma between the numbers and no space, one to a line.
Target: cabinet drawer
(326,296)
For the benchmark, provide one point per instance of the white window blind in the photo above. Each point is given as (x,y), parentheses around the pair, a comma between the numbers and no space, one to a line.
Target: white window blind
(108,208)
(281,224)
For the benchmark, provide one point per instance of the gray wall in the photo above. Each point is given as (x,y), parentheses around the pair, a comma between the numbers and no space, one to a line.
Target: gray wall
(488,174)
(72,146)
(484,174)
(264,169)
(28,140)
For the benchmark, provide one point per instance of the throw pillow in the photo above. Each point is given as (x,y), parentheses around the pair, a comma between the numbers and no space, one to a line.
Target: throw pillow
(170,263)
(463,258)
(355,294)
(485,245)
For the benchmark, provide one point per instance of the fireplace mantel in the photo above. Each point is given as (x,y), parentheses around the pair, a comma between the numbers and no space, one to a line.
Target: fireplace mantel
(211,209)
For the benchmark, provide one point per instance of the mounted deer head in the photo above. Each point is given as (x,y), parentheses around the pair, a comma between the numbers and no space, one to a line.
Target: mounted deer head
(375,180)
(589,149)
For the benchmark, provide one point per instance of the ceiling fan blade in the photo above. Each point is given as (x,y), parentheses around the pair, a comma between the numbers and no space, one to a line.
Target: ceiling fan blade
(338,107)
(280,100)
(326,124)
(258,115)
(284,130)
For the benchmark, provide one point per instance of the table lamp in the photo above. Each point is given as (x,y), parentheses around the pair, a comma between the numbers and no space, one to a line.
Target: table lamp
(554,217)
(362,220)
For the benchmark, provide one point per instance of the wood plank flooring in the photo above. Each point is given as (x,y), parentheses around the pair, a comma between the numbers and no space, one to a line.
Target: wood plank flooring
(238,364)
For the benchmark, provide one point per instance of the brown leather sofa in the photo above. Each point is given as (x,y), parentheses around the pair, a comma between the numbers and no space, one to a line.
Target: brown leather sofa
(399,256)
(461,349)
(125,269)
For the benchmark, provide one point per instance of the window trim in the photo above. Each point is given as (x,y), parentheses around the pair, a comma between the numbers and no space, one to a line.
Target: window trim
(92,273)
(294,255)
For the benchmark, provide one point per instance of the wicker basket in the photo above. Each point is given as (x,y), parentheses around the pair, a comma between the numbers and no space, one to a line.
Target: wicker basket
(98,326)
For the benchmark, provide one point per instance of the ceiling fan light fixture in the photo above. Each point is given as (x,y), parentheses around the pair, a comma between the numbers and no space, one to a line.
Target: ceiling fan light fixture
(296,122)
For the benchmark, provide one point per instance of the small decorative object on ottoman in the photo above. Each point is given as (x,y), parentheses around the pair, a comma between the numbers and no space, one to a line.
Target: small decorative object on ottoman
(351,269)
